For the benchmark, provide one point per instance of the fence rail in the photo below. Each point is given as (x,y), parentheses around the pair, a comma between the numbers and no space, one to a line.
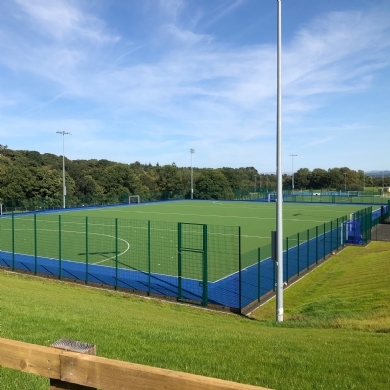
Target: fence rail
(102,373)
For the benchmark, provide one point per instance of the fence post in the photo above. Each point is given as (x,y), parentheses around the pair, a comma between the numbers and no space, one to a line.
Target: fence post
(324,240)
(205,277)
(73,346)
(287,259)
(86,250)
(308,249)
(35,245)
(116,254)
(317,244)
(149,265)
(274,266)
(13,241)
(299,265)
(59,248)
(331,236)
(179,296)
(239,266)
(258,275)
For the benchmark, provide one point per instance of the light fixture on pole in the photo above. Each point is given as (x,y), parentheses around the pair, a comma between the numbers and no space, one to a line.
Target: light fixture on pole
(345,182)
(279,189)
(383,182)
(292,176)
(255,176)
(364,181)
(63,165)
(192,151)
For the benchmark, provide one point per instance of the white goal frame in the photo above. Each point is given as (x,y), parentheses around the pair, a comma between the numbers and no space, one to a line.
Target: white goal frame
(272,197)
(134,199)
(353,193)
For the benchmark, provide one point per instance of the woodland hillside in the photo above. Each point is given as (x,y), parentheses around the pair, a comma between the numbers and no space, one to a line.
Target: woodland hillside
(30,175)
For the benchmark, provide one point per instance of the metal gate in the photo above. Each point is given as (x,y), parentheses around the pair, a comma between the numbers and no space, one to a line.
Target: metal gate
(192,262)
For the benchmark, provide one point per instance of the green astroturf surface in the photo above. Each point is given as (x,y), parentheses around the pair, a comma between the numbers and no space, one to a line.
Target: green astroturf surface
(99,246)
(256,219)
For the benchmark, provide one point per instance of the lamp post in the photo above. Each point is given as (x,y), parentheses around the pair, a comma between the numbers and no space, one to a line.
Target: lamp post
(383,182)
(192,151)
(63,164)
(364,182)
(279,189)
(345,182)
(292,176)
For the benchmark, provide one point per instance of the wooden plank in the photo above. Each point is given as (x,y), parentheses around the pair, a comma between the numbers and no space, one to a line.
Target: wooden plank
(30,358)
(103,373)
(110,374)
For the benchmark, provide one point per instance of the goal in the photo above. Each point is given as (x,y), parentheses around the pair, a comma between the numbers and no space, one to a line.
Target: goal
(353,193)
(272,197)
(134,199)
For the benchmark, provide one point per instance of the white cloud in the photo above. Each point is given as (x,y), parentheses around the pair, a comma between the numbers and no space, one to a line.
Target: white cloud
(62,21)
(171,8)
(337,53)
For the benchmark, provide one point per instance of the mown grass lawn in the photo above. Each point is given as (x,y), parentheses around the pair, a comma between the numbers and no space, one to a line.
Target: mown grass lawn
(336,333)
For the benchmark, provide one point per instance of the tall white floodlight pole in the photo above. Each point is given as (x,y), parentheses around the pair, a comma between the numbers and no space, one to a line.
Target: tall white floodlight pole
(364,182)
(292,176)
(279,189)
(63,165)
(192,151)
(383,182)
(345,182)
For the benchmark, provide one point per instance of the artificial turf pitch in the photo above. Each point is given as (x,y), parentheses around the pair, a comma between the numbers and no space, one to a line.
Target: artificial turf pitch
(256,220)
(159,247)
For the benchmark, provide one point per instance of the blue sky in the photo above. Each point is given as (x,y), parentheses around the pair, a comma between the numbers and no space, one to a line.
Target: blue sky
(146,80)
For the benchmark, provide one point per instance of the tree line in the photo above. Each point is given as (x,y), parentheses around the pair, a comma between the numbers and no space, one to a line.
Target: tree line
(27,175)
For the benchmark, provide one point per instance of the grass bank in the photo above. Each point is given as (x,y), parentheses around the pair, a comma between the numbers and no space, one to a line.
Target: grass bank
(308,351)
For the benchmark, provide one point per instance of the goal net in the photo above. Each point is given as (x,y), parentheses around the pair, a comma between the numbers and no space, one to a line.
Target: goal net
(353,193)
(134,199)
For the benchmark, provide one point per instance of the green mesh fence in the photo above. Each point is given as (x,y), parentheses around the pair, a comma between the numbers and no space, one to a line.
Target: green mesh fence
(189,262)
(339,199)
(177,260)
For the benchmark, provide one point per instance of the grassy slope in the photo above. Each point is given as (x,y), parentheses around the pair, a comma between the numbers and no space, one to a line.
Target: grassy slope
(299,354)
(351,291)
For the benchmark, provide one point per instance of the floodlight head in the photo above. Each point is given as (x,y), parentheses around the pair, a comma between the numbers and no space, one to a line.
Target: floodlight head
(192,151)
(63,132)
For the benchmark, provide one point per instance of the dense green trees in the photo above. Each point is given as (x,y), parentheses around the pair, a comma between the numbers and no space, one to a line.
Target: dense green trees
(212,184)
(29,175)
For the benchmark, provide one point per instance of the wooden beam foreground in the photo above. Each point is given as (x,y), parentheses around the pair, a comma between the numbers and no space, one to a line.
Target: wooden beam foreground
(103,373)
